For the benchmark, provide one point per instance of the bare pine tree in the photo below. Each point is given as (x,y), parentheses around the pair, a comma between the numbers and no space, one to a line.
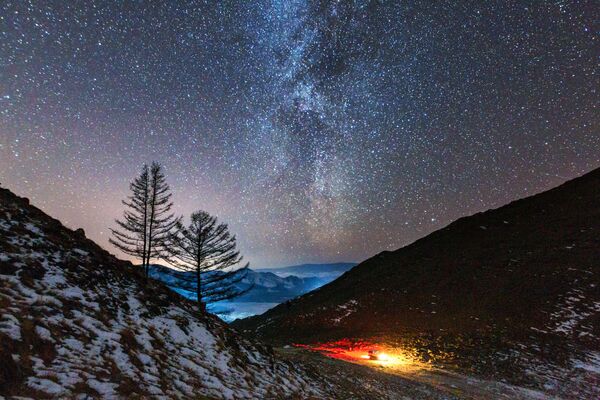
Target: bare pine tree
(161,221)
(208,250)
(147,221)
(132,238)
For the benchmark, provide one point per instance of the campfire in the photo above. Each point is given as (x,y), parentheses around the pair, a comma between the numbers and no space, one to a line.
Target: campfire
(363,352)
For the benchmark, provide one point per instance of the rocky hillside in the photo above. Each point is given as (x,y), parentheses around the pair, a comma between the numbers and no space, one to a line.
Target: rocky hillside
(75,321)
(512,293)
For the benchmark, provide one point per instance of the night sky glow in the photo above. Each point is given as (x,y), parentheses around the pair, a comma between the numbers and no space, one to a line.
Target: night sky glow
(320,131)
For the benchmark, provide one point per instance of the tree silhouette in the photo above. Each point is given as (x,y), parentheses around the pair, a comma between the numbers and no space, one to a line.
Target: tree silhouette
(207,250)
(147,221)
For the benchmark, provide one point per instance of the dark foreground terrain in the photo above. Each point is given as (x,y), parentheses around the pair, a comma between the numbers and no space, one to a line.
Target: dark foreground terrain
(509,294)
(406,381)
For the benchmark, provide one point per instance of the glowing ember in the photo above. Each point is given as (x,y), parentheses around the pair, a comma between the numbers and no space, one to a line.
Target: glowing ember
(367,353)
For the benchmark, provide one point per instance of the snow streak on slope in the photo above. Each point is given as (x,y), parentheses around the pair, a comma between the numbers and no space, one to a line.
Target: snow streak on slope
(74,320)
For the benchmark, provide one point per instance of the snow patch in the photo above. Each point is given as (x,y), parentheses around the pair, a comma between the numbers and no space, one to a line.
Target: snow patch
(590,364)
(11,326)
(43,333)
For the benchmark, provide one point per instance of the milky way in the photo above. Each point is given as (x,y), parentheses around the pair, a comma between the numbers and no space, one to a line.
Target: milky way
(320,131)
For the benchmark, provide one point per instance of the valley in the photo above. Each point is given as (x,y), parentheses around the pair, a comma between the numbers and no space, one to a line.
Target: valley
(65,300)
(77,322)
(267,287)
(401,374)
(299,200)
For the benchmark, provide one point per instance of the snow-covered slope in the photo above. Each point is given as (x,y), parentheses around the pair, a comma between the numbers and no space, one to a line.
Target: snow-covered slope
(76,321)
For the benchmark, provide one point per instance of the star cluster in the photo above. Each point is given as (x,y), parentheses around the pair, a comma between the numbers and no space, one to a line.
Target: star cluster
(319,130)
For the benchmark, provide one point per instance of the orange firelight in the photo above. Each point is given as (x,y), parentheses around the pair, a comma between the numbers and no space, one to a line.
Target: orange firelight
(363,352)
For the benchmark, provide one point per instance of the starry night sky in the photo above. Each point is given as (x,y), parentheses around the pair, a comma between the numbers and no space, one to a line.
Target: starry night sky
(320,131)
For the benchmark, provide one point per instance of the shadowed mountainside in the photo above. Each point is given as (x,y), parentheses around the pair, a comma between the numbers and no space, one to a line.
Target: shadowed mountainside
(512,292)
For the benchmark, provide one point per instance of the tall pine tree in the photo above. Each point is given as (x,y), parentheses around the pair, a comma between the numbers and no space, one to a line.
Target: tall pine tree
(207,251)
(147,221)
(132,239)
(161,221)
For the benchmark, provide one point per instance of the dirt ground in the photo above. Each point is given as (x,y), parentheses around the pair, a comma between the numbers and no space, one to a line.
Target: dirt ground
(364,379)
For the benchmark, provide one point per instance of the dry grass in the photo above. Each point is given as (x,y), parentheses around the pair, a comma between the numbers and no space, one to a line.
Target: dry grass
(11,374)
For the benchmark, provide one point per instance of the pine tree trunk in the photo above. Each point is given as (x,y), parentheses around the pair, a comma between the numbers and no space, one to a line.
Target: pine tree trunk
(201,306)
(150,224)
(145,227)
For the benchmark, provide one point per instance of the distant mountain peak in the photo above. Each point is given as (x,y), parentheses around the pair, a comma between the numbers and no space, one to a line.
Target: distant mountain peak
(314,269)
(269,287)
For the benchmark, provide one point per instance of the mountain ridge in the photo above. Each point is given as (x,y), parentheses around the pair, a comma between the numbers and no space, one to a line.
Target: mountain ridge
(266,285)
(311,269)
